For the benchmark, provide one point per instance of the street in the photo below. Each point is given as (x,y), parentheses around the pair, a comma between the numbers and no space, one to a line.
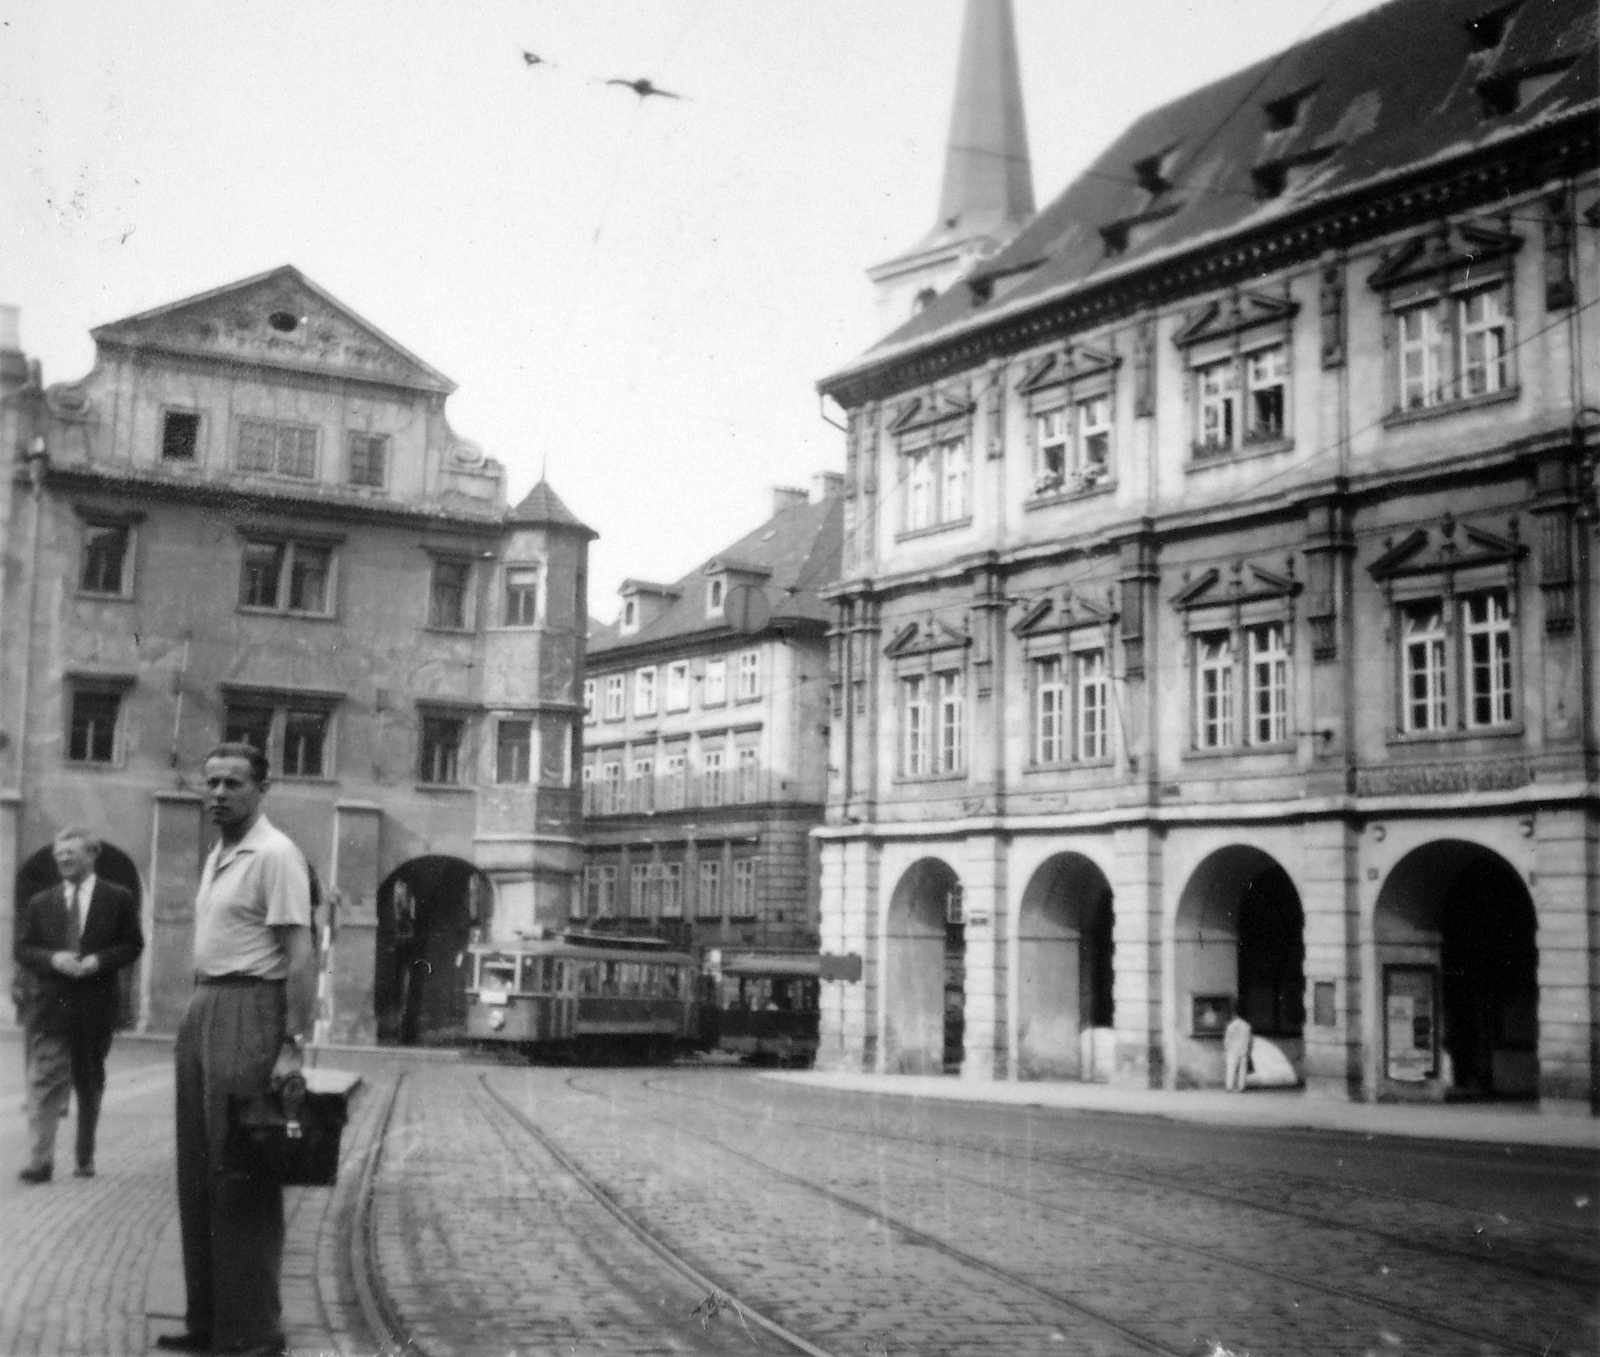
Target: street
(736,1213)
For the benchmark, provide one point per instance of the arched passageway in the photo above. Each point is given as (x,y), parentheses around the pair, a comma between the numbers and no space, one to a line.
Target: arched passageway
(925,972)
(429,909)
(1458,972)
(1240,942)
(39,873)
(1065,1005)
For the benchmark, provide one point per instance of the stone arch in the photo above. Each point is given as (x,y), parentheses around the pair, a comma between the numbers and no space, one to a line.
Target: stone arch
(1239,937)
(39,873)
(1065,1003)
(924,972)
(1456,935)
(429,909)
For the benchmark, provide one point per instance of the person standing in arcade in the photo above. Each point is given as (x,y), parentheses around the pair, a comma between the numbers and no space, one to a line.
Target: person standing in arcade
(253,1006)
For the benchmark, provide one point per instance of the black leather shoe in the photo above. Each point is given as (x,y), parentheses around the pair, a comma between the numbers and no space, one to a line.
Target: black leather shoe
(83,1171)
(184,1342)
(36,1173)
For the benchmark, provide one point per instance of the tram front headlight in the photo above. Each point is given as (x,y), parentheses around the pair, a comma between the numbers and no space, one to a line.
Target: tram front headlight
(497,1019)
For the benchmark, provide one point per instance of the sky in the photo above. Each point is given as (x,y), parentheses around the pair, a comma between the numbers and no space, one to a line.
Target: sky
(635,296)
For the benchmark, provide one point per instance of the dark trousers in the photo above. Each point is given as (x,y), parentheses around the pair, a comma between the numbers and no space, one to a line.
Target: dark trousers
(232,1227)
(55,1061)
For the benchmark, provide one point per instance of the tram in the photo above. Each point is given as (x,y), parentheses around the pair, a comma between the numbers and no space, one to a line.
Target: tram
(761,1004)
(579,995)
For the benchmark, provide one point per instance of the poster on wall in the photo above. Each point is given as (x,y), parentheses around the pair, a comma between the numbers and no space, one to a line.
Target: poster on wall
(1411,1032)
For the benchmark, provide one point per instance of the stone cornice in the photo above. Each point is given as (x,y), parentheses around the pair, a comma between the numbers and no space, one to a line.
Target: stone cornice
(1485,176)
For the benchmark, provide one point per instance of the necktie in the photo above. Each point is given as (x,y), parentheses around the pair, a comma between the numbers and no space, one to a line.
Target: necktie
(74,924)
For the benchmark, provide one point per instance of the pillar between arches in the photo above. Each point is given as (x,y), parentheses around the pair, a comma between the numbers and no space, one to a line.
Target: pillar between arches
(1330,904)
(848,1036)
(1143,960)
(986,1044)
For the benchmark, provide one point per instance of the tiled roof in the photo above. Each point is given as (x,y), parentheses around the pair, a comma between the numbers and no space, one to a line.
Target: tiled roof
(543,505)
(800,546)
(1393,91)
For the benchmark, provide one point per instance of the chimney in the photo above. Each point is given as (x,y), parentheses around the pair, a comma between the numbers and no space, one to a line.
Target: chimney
(826,485)
(787,497)
(13,362)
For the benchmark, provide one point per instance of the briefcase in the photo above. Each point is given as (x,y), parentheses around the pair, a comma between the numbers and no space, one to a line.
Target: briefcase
(291,1135)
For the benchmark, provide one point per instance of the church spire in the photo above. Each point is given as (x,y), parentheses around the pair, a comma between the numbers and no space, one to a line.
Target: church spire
(987,193)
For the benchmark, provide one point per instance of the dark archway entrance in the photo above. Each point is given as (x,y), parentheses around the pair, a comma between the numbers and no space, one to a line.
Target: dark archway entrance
(1456,919)
(1240,940)
(39,873)
(925,972)
(429,909)
(1065,1003)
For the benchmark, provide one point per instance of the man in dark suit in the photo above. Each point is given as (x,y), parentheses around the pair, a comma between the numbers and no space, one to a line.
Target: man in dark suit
(72,939)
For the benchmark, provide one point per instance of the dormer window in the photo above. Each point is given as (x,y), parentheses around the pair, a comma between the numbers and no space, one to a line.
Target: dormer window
(716,596)
(1486,31)
(630,617)
(1153,172)
(1285,111)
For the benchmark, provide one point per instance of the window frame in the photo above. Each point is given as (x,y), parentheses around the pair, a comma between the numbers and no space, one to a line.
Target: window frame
(644,690)
(515,598)
(676,697)
(743,887)
(749,669)
(1235,365)
(459,757)
(717,665)
(1236,720)
(932,725)
(1452,669)
(931,463)
(168,412)
(435,619)
(590,692)
(282,706)
(289,550)
(127,529)
(382,442)
(105,688)
(615,695)
(279,427)
(528,746)
(709,873)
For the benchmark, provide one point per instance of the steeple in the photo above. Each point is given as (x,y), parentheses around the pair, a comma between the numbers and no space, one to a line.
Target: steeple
(988,181)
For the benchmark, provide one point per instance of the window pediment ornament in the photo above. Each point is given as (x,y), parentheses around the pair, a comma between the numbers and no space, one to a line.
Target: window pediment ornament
(923,413)
(1250,583)
(1241,310)
(1438,551)
(1445,249)
(1065,613)
(1066,365)
(925,636)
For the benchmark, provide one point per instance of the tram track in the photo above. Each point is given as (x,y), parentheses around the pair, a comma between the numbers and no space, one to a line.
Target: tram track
(1477,1336)
(1172,1183)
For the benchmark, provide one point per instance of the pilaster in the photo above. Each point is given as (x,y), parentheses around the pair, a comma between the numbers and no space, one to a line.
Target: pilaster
(985,1052)
(1137,935)
(357,873)
(177,853)
(1333,993)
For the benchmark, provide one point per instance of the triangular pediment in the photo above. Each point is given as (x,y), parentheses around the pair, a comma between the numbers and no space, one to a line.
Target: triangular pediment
(1450,546)
(1069,364)
(278,320)
(926,636)
(922,412)
(1065,612)
(1240,310)
(1246,582)
(1463,246)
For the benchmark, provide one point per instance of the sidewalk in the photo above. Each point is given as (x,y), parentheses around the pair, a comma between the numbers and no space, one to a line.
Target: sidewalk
(1280,1109)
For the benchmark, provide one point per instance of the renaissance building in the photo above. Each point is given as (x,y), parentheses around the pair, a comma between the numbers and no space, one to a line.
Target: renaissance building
(1217,617)
(252,521)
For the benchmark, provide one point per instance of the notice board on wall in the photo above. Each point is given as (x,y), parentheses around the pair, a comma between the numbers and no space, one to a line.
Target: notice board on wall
(1411,1028)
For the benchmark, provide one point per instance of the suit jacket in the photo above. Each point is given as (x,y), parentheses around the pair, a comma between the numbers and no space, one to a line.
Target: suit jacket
(111,932)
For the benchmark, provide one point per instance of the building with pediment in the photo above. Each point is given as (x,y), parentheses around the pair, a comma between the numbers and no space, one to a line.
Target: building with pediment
(252,520)
(1217,622)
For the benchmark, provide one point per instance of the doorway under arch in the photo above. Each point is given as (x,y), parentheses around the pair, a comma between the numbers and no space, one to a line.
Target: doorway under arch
(39,873)
(1065,1002)
(1457,936)
(429,910)
(1240,942)
(925,972)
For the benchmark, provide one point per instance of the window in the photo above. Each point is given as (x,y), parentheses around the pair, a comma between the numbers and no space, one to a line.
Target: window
(716,591)
(614,685)
(678,686)
(1268,682)
(644,692)
(447,595)
(1454,347)
(671,891)
(1266,378)
(914,722)
(711,777)
(513,751)
(1488,636)
(749,675)
(1423,664)
(277,449)
(714,691)
(949,716)
(293,577)
(588,700)
(600,890)
(639,891)
(105,558)
(1049,711)
(92,733)
(1093,692)
(305,735)
(642,786)
(743,903)
(440,758)
(709,905)
(1094,439)
(247,723)
(931,722)
(1214,651)
(180,436)
(749,770)
(630,615)
(368,459)
(675,784)
(611,788)
(938,483)
(1225,422)
(1218,385)
(1483,325)
(522,596)
(1050,449)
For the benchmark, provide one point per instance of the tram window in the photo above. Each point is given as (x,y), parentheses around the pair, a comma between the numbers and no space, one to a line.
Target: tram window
(547,974)
(528,980)
(563,974)
(632,975)
(608,977)
(669,981)
(589,978)
(497,972)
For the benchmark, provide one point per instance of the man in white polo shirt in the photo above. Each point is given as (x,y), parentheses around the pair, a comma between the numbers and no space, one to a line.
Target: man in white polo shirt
(253,1004)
